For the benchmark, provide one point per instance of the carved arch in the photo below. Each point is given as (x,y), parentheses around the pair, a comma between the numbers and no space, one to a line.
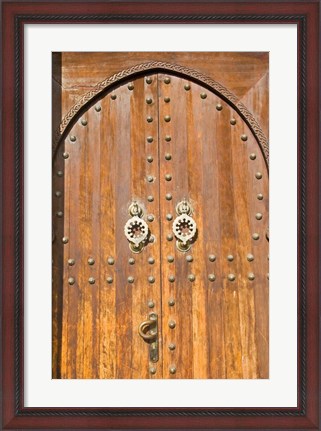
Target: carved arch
(174,69)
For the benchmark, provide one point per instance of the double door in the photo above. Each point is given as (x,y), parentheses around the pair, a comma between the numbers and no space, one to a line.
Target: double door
(160,221)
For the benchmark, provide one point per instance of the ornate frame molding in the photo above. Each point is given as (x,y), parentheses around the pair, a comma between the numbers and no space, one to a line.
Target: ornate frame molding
(305,14)
(176,69)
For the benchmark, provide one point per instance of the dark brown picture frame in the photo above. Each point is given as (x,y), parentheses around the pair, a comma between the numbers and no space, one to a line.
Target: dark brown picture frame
(15,14)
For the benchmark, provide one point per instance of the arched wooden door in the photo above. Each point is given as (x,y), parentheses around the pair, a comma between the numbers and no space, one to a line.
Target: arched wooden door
(163,160)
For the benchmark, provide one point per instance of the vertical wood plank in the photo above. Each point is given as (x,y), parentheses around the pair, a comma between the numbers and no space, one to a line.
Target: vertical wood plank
(104,114)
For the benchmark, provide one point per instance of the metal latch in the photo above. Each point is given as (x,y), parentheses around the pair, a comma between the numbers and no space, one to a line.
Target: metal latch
(148,330)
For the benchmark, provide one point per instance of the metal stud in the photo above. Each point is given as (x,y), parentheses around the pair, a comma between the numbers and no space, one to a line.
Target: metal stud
(256,236)
(252,156)
(71,262)
(71,280)
(151,304)
(84,122)
(168,156)
(172,346)
(110,261)
(169,237)
(258,216)
(91,280)
(65,155)
(168,177)
(191,277)
(171,302)
(168,138)
(167,118)
(244,137)
(167,80)
(232,121)
(130,279)
(168,197)
(170,259)
(65,239)
(149,80)
(169,217)
(251,276)
(259,196)
(150,139)
(73,138)
(150,159)
(150,198)
(171,278)
(203,95)
(172,370)
(91,261)
(130,86)
(152,370)
(58,194)
(151,239)
(212,257)
(149,100)
(189,258)
(172,324)
(211,277)
(250,257)
(150,217)
(131,261)
(149,178)
(60,173)
(59,214)
(109,280)
(167,99)
(113,97)
(151,279)
(97,108)
(149,119)
(258,175)
(187,87)
(219,107)
(231,277)
(268,276)
(230,257)
(151,260)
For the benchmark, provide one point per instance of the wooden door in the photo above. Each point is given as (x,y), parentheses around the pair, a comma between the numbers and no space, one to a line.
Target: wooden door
(156,140)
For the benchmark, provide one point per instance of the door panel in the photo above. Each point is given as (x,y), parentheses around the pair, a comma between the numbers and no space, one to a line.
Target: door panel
(105,171)
(157,140)
(217,330)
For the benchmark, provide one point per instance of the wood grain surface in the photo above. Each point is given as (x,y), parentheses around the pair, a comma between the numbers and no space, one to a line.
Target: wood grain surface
(221,326)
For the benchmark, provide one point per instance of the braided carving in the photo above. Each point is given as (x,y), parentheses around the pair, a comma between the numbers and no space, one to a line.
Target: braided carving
(213,85)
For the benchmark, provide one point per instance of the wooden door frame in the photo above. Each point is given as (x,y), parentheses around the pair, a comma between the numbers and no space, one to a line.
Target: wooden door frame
(133,72)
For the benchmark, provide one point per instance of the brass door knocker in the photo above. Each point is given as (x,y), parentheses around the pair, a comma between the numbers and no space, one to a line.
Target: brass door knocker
(136,229)
(184,226)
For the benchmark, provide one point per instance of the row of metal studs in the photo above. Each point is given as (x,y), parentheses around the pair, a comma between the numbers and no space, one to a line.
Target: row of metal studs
(169,217)
(151,279)
(150,217)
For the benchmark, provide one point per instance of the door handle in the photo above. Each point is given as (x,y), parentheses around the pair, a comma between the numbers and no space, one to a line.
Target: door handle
(184,226)
(148,330)
(136,229)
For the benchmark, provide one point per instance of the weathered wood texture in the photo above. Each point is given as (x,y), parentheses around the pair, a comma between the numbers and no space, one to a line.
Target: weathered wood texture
(237,71)
(221,326)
